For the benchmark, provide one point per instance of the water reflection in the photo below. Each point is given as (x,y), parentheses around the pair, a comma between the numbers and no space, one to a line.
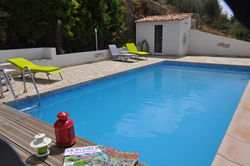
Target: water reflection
(161,116)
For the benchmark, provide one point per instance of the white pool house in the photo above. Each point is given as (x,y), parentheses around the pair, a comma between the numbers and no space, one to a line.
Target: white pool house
(165,34)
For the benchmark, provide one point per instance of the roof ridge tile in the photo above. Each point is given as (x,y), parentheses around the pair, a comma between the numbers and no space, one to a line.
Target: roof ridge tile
(166,17)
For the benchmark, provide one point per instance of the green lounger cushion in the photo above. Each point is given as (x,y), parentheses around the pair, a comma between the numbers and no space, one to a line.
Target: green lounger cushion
(22,63)
(139,52)
(133,50)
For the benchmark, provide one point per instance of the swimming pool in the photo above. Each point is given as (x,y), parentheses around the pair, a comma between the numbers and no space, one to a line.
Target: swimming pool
(173,113)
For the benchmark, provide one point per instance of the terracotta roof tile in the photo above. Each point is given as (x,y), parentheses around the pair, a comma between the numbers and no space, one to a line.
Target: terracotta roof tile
(167,17)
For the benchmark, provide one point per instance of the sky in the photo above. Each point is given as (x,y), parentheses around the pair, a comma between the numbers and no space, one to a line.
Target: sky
(225,8)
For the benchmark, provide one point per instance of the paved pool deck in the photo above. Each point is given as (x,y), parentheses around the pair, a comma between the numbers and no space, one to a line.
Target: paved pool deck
(235,147)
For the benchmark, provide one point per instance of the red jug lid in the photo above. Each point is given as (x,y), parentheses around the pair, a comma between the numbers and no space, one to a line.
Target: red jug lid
(63,115)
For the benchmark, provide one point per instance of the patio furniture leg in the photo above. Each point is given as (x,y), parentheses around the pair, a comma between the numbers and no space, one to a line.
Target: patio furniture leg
(48,77)
(61,76)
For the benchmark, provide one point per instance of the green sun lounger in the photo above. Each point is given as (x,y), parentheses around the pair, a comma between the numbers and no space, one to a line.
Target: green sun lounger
(133,50)
(22,63)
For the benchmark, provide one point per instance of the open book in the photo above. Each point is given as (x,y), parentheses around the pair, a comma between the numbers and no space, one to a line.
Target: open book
(99,156)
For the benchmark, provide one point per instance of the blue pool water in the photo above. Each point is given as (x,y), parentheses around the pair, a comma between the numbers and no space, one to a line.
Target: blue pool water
(173,113)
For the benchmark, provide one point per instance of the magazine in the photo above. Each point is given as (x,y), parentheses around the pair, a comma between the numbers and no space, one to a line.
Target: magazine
(99,156)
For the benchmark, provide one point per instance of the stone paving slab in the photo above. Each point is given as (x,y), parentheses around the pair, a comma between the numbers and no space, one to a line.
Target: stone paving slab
(221,160)
(73,75)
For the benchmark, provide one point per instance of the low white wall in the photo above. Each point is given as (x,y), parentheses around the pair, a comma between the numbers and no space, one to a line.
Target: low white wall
(201,43)
(29,53)
(48,57)
(80,58)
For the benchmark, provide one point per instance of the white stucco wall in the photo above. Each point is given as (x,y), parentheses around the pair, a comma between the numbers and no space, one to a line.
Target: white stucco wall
(145,31)
(48,57)
(172,35)
(201,43)
(29,53)
(185,26)
(80,58)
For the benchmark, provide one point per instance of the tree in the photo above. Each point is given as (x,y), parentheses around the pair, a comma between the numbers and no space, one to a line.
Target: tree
(67,24)
(170,2)
(32,23)
(189,6)
(243,34)
(212,9)
(105,15)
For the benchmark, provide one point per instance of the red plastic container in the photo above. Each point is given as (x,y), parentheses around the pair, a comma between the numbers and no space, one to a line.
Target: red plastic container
(64,130)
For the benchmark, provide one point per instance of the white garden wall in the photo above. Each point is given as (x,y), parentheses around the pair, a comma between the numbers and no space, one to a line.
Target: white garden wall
(48,57)
(80,58)
(201,43)
(29,53)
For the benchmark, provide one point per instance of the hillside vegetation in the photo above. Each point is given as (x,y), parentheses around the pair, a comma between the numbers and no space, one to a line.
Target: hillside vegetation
(209,18)
(69,25)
